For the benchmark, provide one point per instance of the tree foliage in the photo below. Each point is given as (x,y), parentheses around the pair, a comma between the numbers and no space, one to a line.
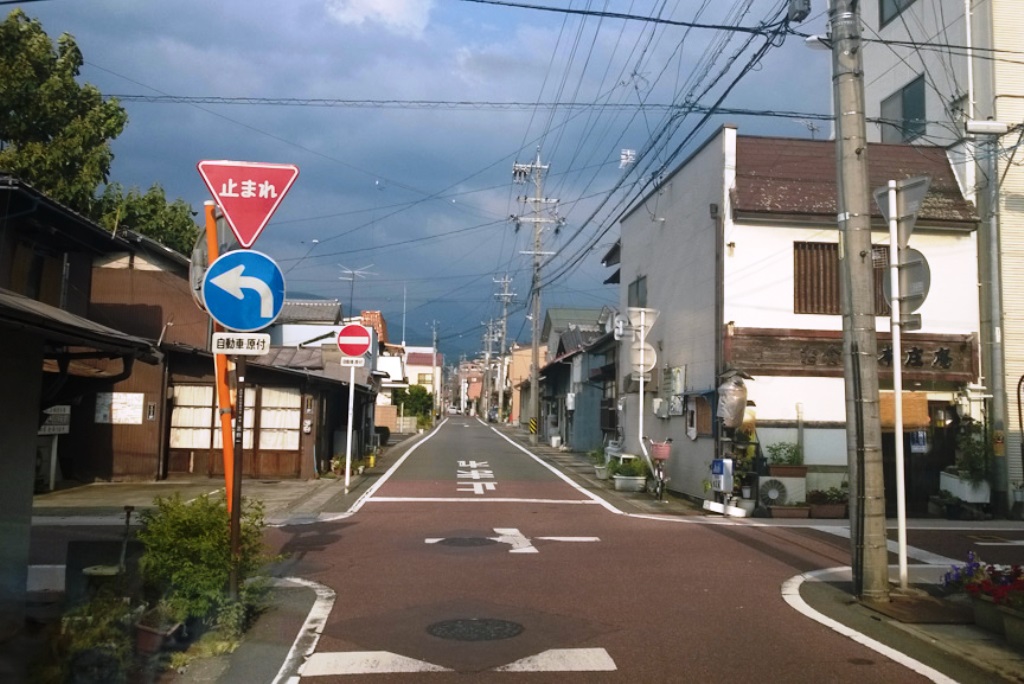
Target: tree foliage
(55,134)
(416,400)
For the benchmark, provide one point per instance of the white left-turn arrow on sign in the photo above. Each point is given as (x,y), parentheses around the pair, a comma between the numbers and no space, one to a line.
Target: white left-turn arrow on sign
(234,282)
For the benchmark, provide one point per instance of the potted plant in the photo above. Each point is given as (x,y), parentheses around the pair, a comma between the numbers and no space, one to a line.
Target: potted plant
(600,464)
(629,474)
(786,459)
(156,626)
(795,510)
(828,503)
(967,477)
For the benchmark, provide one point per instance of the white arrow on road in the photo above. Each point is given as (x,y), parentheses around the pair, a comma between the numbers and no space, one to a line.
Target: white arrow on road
(519,542)
(233,282)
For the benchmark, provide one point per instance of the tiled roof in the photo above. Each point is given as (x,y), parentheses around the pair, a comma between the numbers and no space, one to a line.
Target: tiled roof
(798,176)
(310,311)
(307,358)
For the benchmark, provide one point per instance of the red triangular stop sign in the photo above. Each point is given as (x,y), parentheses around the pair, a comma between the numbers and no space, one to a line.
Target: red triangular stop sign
(248,193)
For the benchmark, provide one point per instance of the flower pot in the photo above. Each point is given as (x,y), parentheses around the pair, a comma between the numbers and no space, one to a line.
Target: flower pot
(745,491)
(964,490)
(150,639)
(828,510)
(601,472)
(790,511)
(1013,626)
(779,470)
(629,483)
(986,614)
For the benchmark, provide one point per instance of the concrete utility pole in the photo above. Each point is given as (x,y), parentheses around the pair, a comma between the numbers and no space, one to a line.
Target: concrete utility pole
(860,359)
(505,296)
(485,396)
(522,173)
(992,311)
(433,371)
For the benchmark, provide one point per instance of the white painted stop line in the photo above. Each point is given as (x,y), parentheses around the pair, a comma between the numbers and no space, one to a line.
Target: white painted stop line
(383,662)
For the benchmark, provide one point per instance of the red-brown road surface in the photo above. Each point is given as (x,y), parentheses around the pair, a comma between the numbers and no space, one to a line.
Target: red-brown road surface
(473,556)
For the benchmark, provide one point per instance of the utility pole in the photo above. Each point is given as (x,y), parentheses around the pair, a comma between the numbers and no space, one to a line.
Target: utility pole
(505,296)
(433,371)
(992,310)
(485,396)
(860,360)
(523,173)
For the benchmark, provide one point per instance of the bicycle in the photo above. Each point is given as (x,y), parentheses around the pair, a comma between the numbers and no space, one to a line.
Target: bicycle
(660,452)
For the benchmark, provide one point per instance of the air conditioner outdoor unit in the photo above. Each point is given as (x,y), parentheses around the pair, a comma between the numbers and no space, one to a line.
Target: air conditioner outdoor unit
(782,491)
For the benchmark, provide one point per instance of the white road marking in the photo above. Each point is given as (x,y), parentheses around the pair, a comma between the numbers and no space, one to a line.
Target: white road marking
(364,662)
(564,660)
(449,499)
(308,636)
(384,662)
(1015,542)
(519,542)
(791,594)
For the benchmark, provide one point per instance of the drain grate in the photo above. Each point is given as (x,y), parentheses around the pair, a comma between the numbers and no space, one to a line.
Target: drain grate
(467,541)
(475,629)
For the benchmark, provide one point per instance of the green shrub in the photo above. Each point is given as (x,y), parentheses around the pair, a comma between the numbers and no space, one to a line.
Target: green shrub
(630,467)
(785,453)
(187,554)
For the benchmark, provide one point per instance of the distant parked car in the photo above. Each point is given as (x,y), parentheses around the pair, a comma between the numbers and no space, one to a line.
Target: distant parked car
(453,410)
(492,415)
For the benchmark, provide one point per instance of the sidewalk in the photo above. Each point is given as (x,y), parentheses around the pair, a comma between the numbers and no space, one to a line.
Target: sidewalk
(918,625)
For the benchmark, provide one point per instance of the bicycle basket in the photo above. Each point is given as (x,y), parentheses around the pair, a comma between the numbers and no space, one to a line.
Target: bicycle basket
(660,450)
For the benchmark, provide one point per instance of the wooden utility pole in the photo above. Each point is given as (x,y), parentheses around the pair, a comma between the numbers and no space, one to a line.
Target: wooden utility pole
(860,359)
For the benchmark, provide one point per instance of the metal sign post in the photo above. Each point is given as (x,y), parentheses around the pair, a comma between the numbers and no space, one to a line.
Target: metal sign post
(235,502)
(353,341)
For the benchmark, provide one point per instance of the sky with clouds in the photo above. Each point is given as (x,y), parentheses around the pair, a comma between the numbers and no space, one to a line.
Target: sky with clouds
(405,118)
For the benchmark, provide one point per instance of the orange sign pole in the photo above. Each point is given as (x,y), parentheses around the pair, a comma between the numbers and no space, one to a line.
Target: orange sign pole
(220,371)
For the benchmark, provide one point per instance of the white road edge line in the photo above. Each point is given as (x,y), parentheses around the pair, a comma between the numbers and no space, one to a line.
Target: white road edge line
(466,499)
(308,636)
(565,478)
(791,595)
(368,494)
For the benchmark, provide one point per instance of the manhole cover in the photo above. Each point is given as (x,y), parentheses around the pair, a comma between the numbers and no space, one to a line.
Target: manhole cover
(475,629)
(467,541)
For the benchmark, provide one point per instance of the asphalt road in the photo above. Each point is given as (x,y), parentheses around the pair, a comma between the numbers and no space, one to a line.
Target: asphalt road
(474,561)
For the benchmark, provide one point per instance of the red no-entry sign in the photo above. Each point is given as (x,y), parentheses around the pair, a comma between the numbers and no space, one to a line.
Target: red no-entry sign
(248,193)
(354,340)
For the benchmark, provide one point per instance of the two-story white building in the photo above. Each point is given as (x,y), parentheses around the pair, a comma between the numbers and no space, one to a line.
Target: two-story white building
(737,248)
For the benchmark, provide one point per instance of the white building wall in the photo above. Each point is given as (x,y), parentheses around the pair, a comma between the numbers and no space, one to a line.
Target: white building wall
(893,66)
(671,238)
(997,91)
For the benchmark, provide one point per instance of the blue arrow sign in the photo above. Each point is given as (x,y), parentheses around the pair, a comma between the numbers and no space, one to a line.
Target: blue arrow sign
(244,290)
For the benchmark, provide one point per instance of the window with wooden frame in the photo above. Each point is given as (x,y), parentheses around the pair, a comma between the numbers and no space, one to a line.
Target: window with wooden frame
(816,278)
(192,418)
(698,417)
(280,418)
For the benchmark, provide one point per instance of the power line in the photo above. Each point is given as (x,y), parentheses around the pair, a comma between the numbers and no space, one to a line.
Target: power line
(458,104)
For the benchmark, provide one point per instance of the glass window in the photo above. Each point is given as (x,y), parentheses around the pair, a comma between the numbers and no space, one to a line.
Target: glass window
(903,115)
(890,9)
(636,295)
